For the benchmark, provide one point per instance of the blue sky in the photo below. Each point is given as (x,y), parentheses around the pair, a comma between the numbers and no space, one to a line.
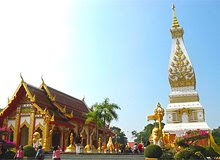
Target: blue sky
(111,48)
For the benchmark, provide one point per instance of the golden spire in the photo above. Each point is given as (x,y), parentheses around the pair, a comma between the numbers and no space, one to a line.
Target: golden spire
(175,21)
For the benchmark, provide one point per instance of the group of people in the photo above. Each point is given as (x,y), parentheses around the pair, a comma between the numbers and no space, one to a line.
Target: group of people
(20,153)
(137,148)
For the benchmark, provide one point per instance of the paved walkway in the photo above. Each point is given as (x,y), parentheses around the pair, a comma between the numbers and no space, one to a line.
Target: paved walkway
(96,157)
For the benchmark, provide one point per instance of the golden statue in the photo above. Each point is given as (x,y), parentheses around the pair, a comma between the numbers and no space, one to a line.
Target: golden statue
(116,147)
(71,147)
(157,131)
(88,148)
(99,145)
(110,145)
(37,141)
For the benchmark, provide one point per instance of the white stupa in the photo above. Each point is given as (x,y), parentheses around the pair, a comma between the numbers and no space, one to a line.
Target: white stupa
(184,112)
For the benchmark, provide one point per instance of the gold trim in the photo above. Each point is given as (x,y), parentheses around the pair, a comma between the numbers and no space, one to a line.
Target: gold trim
(53,100)
(25,123)
(184,99)
(39,125)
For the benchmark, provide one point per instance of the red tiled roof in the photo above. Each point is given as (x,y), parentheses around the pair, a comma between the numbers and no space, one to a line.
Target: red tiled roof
(72,104)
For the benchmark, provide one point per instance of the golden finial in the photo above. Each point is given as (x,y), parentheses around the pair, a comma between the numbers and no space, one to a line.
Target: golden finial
(21,77)
(42,79)
(175,21)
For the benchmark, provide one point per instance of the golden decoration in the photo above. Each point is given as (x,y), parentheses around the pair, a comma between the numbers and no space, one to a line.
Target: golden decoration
(178,99)
(99,145)
(71,147)
(175,21)
(110,145)
(25,123)
(31,129)
(181,73)
(46,134)
(176,30)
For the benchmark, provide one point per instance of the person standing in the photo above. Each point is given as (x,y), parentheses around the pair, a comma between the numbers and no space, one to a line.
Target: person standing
(56,153)
(19,153)
(78,142)
(39,154)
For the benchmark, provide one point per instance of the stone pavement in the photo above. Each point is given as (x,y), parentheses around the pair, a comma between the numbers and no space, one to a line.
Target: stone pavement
(96,157)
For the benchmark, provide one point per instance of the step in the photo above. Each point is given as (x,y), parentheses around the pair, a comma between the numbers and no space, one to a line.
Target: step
(96,157)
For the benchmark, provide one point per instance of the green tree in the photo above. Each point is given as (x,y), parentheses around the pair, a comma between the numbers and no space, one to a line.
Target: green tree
(216,135)
(119,136)
(107,111)
(103,114)
(144,135)
(95,116)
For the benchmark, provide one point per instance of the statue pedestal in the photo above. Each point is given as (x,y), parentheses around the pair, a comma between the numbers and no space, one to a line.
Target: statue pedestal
(70,148)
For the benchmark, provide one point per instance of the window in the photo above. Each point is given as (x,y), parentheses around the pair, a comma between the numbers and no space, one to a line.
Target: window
(194,116)
(175,117)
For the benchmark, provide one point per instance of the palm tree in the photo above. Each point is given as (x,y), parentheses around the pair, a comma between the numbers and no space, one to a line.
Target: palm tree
(94,116)
(108,113)
(102,114)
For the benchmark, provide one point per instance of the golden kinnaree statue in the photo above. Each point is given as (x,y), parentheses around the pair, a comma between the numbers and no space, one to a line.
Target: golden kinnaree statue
(71,147)
(157,131)
(37,141)
(110,145)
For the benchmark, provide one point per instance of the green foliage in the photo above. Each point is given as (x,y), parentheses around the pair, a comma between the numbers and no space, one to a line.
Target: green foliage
(211,153)
(192,152)
(167,154)
(181,142)
(153,151)
(184,154)
(29,151)
(144,135)
(9,155)
(216,135)
(121,137)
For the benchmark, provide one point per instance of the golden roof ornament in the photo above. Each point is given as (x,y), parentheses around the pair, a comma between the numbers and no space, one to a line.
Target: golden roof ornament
(176,29)
(175,21)
(22,79)
(42,79)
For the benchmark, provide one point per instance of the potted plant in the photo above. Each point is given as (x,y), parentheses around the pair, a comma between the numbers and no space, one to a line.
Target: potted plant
(153,152)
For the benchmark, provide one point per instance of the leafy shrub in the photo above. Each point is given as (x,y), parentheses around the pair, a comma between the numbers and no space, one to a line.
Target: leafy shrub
(153,151)
(193,152)
(198,149)
(181,142)
(29,151)
(167,154)
(9,155)
(183,154)
(211,153)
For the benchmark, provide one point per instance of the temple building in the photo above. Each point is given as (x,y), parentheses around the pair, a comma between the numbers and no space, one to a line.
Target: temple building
(184,111)
(51,113)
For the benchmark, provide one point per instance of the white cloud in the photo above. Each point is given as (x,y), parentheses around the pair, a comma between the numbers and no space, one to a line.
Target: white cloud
(34,41)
